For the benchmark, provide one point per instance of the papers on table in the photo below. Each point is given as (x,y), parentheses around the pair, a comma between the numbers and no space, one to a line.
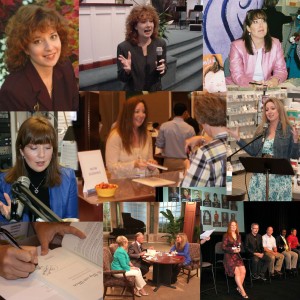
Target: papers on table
(154,181)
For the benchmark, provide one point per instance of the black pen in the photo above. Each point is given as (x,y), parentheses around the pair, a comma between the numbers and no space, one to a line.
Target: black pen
(9,238)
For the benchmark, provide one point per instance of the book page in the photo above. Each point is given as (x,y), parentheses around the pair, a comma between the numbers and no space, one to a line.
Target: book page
(27,288)
(89,248)
(71,275)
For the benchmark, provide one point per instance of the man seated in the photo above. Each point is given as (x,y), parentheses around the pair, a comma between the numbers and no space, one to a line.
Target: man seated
(136,252)
(294,243)
(254,248)
(269,244)
(290,257)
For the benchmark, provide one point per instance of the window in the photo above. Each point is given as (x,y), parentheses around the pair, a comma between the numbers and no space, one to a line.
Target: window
(138,210)
(174,207)
(106,217)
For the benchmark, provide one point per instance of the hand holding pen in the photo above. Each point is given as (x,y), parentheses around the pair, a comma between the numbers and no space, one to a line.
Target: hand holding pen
(16,262)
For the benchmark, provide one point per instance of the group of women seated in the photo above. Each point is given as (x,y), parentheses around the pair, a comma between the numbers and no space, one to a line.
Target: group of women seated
(121,261)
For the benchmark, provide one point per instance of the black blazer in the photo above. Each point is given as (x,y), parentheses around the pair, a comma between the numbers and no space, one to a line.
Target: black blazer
(23,89)
(280,244)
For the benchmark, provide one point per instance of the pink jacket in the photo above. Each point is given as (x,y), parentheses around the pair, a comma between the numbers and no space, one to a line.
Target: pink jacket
(242,64)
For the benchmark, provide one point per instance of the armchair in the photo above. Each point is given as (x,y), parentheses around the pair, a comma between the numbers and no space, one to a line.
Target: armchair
(110,281)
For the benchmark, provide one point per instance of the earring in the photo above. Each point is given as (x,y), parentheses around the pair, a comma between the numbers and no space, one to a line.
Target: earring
(249,33)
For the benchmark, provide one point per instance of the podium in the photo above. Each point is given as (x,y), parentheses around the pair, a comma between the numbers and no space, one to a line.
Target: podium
(267,166)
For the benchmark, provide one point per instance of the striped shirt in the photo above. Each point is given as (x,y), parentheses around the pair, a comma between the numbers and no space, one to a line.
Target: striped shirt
(208,167)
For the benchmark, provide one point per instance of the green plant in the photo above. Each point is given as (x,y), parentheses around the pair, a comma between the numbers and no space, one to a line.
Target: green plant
(196,235)
(163,22)
(173,227)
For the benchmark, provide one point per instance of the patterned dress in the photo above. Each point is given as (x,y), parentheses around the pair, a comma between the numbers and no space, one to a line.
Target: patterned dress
(231,259)
(280,186)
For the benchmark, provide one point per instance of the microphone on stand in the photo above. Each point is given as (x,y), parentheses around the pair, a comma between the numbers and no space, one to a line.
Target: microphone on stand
(17,209)
(20,190)
(159,52)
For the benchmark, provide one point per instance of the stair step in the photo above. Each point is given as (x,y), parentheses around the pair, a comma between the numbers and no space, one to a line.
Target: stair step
(180,51)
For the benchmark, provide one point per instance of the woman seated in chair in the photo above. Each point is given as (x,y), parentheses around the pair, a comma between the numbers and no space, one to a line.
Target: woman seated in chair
(233,262)
(121,261)
(256,56)
(182,248)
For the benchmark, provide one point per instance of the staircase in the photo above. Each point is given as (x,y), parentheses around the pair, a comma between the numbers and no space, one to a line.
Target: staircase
(184,56)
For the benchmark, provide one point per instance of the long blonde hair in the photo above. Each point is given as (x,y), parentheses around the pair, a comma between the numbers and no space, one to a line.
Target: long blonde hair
(283,119)
(184,240)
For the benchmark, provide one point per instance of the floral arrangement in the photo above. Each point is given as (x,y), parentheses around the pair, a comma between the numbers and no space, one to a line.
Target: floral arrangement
(68,8)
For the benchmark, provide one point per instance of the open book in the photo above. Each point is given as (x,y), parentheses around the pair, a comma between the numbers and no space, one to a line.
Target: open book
(70,272)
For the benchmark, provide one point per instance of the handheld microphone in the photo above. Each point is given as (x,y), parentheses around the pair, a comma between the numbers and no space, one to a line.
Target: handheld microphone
(20,190)
(159,52)
(265,127)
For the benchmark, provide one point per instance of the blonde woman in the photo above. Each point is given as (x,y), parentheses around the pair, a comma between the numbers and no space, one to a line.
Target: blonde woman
(281,141)
(121,261)
(182,247)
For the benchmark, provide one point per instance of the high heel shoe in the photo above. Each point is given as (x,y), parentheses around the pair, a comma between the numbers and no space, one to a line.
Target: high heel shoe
(245,296)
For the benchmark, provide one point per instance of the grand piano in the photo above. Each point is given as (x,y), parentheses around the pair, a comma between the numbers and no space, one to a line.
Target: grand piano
(131,227)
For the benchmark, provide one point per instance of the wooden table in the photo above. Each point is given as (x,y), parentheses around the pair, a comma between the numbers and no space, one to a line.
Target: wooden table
(235,195)
(128,190)
(162,269)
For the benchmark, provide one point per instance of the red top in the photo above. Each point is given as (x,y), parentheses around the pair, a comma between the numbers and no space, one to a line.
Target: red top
(293,241)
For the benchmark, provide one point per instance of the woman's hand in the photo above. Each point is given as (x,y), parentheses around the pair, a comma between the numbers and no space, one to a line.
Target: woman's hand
(46,232)
(197,140)
(295,133)
(6,209)
(273,82)
(161,68)
(17,263)
(140,164)
(235,133)
(126,62)
(152,161)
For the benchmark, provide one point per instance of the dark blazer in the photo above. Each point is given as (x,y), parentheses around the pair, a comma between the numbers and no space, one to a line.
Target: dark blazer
(280,244)
(143,75)
(133,251)
(23,89)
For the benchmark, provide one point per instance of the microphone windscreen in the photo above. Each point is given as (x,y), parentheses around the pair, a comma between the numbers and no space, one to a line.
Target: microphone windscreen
(25,181)
(159,51)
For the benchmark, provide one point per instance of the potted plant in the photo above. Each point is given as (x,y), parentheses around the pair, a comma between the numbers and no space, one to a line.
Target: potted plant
(173,227)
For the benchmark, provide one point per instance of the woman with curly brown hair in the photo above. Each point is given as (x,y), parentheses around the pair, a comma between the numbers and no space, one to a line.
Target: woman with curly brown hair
(41,76)
(129,145)
(137,55)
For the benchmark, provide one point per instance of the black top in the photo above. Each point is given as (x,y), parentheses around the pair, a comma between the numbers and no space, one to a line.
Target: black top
(253,244)
(143,75)
(275,20)
(24,89)
(280,244)
(37,180)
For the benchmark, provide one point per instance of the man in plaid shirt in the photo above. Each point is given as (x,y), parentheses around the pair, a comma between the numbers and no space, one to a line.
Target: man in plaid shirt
(208,165)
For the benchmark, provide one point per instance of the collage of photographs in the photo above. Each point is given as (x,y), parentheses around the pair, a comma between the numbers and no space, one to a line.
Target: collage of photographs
(149,148)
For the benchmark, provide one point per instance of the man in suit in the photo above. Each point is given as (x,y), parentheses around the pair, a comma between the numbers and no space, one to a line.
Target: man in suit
(136,252)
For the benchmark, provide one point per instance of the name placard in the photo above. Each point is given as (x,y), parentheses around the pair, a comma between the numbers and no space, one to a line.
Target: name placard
(93,170)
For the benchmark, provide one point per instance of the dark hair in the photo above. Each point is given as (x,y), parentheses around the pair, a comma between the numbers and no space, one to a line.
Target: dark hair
(252,15)
(210,109)
(140,13)
(270,3)
(179,108)
(21,28)
(124,124)
(36,130)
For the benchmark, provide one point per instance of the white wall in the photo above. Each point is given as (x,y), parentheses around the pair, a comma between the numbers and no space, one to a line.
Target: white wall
(101,29)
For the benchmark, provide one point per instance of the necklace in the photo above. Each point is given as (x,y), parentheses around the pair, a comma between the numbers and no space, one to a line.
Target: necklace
(36,189)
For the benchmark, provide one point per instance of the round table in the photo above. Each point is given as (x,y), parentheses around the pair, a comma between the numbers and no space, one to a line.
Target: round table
(162,269)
